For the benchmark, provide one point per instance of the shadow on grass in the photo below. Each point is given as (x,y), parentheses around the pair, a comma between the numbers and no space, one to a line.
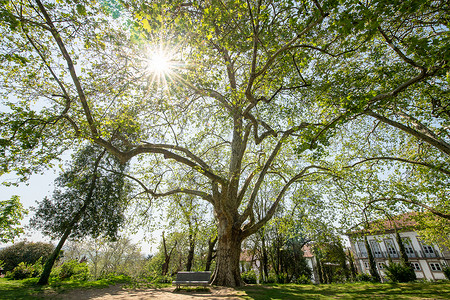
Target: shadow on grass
(29,289)
(349,291)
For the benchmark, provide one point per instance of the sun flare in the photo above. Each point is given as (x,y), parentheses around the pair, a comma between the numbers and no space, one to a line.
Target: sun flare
(159,63)
(163,64)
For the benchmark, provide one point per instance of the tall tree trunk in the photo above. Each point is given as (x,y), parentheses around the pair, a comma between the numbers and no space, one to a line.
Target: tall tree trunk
(352,264)
(210,256)
(227,271)
(43,280)
(265,260)
(319,270)
(403,255)
(372,266)
(190,256)
(167,256)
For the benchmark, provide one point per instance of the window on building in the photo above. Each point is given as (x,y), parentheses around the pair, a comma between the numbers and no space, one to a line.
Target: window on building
(428,250)
(366,264)
(415,266)
(380,266)
(391,248)
(435,266)
(375,246)
(362,249)
(408,247)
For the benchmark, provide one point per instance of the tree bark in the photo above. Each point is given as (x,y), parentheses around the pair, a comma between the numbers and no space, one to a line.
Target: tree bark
(265,260)
(167,256)
(190,256)
(227,271)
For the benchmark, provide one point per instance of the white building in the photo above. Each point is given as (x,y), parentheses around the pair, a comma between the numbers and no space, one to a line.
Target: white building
(427,260)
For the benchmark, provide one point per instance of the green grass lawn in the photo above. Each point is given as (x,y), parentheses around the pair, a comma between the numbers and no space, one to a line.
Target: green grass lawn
(27,289)
(422,290)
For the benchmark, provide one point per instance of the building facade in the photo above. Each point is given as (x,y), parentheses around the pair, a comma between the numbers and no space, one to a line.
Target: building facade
(427,260)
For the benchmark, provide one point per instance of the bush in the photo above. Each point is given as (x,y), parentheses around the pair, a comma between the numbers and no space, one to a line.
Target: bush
(249,277)
(25,252)
(399,272)
(363,277)
(24,270)
(74,270)
(303,279)
(446,271)
(271,279)
(282,278)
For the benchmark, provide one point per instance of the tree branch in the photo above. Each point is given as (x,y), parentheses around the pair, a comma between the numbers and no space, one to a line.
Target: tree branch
(429,208)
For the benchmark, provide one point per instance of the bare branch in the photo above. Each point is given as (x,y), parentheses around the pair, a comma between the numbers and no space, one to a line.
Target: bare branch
(423,133)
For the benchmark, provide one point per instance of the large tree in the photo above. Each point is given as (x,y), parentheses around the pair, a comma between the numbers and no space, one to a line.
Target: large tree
(239,97)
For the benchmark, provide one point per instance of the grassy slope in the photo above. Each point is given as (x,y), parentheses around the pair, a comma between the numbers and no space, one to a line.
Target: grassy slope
(424,290)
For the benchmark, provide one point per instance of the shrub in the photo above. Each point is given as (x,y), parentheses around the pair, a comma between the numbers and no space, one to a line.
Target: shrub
(363,277)
(74,270)
(399,272)
(303,279)
(24,270)
(249,277)
(271,279)
(281,278)
(446,271)
(26,252)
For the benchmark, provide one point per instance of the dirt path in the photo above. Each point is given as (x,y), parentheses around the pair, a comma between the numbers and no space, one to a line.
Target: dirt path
(117,292)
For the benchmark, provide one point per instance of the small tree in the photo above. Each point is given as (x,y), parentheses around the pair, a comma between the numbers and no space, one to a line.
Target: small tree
(89,200)
(11,212)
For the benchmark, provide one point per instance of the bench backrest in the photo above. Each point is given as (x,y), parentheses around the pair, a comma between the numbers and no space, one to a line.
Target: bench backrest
(193,276)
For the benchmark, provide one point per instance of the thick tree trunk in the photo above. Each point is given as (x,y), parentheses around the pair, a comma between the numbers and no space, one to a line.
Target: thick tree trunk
(227,260)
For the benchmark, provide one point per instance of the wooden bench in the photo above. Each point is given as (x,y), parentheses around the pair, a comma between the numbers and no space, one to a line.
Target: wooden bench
(192,278)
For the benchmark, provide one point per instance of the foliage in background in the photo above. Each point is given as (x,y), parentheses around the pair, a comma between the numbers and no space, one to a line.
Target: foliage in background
(332,260)
(105,257)
(446,271)
(398,272)
(74,270)
(249,277)
(27,252)
(11,213)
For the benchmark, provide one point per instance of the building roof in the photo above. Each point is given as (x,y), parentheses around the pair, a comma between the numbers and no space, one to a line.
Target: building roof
(400,222)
